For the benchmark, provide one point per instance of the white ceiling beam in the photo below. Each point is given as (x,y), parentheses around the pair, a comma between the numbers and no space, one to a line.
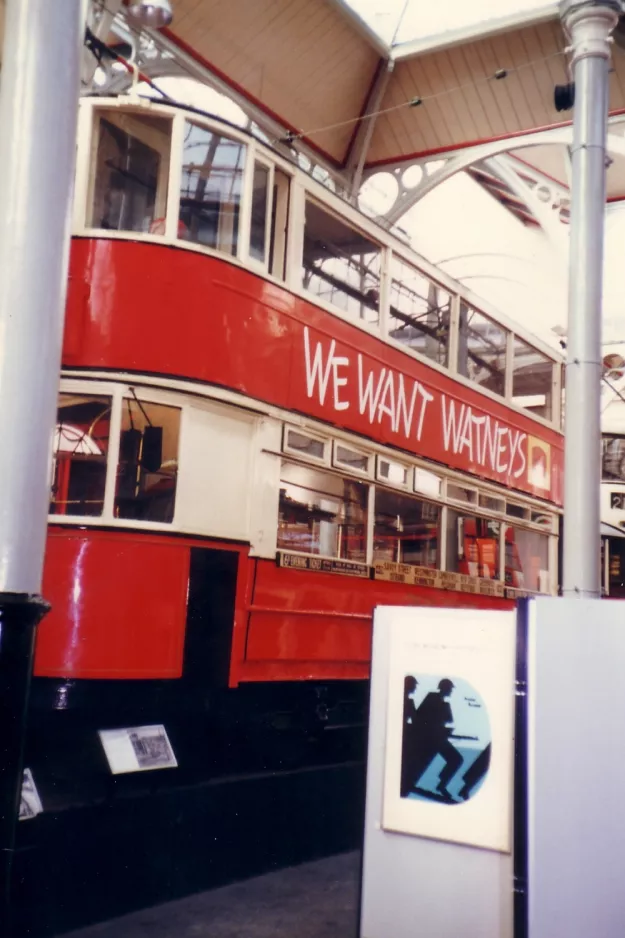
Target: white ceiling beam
(362,139)
(475,31)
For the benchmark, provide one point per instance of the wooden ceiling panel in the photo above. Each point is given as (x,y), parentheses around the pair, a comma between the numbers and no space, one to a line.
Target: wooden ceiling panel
(313,64)
(302,61)
(463,99)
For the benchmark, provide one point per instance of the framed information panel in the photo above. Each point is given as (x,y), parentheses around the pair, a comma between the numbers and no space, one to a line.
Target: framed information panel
(448,765)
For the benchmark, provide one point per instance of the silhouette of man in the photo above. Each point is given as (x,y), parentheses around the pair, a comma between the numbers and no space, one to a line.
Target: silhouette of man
(409,740)
(435,725)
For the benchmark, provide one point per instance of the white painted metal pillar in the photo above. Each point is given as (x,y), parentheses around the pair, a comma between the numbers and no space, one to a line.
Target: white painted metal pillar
(38,114)
(588,23)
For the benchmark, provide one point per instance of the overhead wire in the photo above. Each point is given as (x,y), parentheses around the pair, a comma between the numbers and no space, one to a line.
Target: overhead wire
(419,100)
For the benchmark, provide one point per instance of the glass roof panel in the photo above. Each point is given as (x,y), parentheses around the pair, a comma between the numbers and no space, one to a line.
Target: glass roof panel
(397,21)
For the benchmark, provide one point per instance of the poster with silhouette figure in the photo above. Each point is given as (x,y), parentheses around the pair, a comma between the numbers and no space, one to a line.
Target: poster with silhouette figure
(449,746)
(446,744)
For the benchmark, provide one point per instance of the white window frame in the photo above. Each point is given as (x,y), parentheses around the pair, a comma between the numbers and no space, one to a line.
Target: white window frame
(404,486)
(324,460)
(336,462)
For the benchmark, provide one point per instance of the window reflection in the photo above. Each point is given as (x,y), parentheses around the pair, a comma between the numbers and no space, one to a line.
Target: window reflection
(531,379)
(472,545)
(482,350)
(527,560)
(258,229)
(210,188)
(419,313)
(148,461)
(81,442)
(613,458)
(340,265)
(406,530)
(321,513)
(132,165)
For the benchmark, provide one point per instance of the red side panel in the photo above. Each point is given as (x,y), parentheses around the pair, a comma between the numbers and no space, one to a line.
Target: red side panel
(305,625)
(118,606)
(147,308)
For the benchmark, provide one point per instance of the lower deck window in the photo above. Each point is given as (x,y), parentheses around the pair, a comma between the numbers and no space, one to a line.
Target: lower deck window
(81,441)
(321,513)
(527,560)
(473,545)
(407,530)
(148,461)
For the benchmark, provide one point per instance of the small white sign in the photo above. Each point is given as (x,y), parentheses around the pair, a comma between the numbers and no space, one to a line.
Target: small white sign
(137,749)
(30,804)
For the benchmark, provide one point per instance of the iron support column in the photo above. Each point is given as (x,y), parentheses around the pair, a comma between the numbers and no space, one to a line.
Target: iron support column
(38,116)
(588,24)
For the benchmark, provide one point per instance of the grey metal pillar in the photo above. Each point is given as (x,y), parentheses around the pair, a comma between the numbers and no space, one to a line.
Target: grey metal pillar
(38,114)
(588,24)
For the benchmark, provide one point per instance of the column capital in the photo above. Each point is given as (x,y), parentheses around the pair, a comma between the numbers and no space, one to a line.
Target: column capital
(588,25)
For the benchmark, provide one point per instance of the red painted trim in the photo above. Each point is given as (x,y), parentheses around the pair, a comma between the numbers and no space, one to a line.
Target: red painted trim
(256,341)
(249,97)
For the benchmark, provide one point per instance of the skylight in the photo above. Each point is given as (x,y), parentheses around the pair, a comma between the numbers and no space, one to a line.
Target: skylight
(398,21)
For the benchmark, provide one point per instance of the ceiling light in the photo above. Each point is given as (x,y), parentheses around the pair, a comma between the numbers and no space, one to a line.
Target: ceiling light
(154,14)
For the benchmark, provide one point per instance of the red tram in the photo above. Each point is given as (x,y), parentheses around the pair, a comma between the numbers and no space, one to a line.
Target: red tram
(273,416)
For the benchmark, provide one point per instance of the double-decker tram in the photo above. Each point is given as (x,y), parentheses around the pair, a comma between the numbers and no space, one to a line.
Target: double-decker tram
(273,416)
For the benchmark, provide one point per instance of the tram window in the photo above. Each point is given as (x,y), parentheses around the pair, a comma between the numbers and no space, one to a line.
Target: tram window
(395,473)
(613,458)
(482,350)
(406,530)
(490,503)
(460,494)
(340,265)
(517,511)
(260,212)
(279,224)
(532,379)
(427,482)
(473,545)
(210,188)
(81,442)
(527,560)
(419,313)
(352,459)
(148,461)
(131,170)
(303,444)
(321,513)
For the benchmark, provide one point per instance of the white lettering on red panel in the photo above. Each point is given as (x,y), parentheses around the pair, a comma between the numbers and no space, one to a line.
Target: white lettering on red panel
(407,407)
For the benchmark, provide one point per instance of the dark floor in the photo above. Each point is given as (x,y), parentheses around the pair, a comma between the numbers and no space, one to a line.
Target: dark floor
(314,900)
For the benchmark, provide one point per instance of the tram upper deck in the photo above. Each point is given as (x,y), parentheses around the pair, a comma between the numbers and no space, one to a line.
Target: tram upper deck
(263,252)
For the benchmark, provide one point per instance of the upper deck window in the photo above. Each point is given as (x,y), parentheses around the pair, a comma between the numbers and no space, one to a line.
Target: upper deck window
(210,188)
(131,155)
(613,458)
(419,313)
(340,265)
(260,212)
(482,350)
(532,379)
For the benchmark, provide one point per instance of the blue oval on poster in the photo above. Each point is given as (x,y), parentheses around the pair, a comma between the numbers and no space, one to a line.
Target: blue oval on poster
(446,739)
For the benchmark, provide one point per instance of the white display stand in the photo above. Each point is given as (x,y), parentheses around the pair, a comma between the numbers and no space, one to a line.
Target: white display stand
(556,837)
(426,870)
